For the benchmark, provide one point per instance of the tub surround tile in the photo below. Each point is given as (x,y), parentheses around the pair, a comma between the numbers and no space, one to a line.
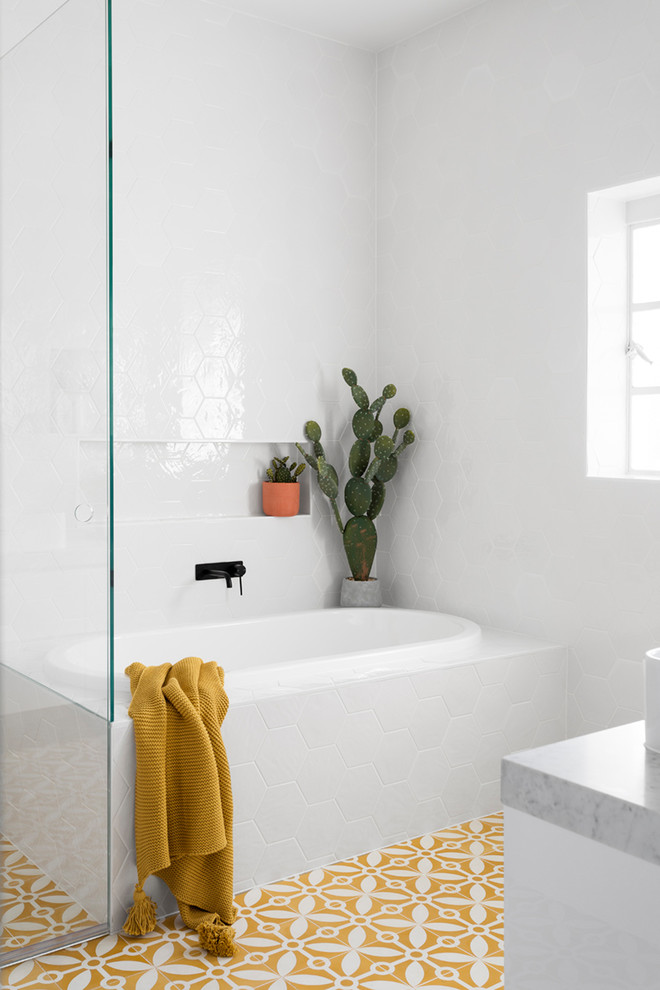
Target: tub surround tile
(604,786)
(343,760)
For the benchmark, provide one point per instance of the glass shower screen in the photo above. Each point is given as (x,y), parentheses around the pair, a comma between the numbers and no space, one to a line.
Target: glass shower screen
(54,454)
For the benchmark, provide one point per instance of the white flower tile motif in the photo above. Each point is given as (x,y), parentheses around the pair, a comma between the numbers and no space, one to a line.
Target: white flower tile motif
(411,914)
(54,794)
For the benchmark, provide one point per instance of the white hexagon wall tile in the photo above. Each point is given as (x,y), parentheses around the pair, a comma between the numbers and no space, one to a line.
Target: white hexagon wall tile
(493,127)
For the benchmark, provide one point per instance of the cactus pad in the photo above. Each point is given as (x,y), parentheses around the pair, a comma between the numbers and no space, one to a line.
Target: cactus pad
(376,432)
(358,459)
(377,498)
(357,495)
(312,431)
(360,540)
(387,469)
(363,424)
(389,391)
(383,447)
(360,396)
(328,479)
(401,418)
(349,376)
(377,405)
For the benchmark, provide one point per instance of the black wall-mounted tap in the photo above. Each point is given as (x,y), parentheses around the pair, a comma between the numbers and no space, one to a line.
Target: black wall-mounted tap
(225,570)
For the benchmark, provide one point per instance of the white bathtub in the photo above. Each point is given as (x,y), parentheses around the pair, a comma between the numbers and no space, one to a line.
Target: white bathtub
(347,730)
(279,653)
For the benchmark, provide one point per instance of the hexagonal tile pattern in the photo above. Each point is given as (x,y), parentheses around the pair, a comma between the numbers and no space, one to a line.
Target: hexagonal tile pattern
(358,792)
(395,756)
(519,537)
(205,186)
(321,720)
(359,738)
(281,755)
(280,812)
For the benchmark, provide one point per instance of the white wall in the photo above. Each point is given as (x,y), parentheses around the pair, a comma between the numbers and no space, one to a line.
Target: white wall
(52,310)
(492,129)
(244,275)
(244,281)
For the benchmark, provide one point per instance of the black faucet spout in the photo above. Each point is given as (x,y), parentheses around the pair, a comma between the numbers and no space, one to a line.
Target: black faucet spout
(221,574)
(225,570)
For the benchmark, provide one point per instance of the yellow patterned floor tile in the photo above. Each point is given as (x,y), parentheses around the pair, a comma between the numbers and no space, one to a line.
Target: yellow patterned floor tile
(425,913)
(33,907)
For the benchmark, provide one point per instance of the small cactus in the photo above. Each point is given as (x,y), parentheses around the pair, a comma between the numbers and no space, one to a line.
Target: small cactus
(364,493)
(284,473)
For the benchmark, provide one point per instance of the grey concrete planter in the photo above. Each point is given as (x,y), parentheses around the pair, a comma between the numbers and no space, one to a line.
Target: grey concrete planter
(361,594)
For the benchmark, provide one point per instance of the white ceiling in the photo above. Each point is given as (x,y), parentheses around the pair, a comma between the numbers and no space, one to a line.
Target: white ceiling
(370,24)
(18,18)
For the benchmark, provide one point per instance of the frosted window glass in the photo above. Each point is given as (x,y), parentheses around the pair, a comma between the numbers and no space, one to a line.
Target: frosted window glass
(645,433)
(646,333)
(646,264)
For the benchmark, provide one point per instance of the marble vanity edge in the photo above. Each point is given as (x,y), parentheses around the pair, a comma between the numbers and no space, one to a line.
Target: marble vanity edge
(605,818)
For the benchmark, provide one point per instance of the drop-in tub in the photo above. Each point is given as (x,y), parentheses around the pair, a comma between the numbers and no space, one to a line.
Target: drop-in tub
(279,653)
(348,729)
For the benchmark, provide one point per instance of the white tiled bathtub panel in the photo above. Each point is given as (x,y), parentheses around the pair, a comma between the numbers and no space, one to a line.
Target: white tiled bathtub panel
(321,775)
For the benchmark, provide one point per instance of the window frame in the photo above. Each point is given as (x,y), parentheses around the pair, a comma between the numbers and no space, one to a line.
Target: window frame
(631,309)
(612,216)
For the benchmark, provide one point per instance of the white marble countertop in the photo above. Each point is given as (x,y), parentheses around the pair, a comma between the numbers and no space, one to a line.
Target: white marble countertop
(605,786)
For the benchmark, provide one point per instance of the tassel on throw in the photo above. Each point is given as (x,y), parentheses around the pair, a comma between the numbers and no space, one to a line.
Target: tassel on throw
(216,938)
(142,916)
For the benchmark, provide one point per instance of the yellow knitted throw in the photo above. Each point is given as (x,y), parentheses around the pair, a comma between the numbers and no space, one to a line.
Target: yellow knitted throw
(183,800)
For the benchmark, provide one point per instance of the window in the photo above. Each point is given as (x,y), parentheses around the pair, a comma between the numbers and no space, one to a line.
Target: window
(623,386)
(643,347)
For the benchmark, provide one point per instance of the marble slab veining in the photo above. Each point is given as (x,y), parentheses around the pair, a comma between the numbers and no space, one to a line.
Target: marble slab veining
(605,786)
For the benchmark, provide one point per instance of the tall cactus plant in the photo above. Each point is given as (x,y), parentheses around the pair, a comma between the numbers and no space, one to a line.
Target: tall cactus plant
(372,462)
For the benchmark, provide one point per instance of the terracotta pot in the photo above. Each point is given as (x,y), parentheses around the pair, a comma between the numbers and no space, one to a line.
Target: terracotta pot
(280,498)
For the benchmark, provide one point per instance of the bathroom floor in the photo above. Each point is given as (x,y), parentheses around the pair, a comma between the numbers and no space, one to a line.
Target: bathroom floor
(423,913)
(33,907)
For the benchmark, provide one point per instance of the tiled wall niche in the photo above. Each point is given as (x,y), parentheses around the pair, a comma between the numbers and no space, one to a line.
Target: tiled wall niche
(197,479)
(493,128)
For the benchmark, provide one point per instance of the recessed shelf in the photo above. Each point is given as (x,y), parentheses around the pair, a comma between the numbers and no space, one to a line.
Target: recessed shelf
(200,479)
